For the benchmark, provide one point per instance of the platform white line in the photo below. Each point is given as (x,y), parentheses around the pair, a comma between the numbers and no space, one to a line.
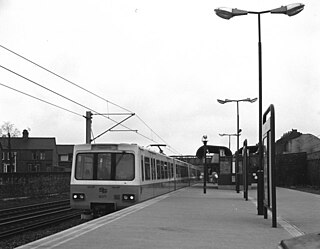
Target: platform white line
(72,233)
(291,229)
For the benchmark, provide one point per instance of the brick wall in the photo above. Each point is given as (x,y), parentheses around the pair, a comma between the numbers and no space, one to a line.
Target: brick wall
(33,184)
(313,169)
(313,172)
(291,169)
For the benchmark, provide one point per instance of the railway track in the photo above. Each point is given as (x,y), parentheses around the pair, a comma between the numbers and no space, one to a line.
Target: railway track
(17,220)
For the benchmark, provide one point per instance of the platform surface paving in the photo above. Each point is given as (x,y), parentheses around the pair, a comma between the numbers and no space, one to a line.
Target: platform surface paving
(187,218)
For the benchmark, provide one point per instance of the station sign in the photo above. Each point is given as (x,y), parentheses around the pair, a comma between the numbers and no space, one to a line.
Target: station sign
(268,136)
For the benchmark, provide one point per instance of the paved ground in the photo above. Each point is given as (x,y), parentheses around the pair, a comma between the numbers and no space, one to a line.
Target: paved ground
(190,219)
(299,209)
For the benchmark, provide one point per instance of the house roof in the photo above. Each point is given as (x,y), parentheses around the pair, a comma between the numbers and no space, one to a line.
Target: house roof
(65,149)
(289,136)
(18,143)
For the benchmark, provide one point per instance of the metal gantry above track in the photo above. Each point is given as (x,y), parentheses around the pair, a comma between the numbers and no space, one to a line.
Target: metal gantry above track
(88,118)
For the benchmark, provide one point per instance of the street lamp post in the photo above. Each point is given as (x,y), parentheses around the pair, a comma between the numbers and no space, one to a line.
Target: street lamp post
(229,135)
(205,170)
(227,13)
(238,131)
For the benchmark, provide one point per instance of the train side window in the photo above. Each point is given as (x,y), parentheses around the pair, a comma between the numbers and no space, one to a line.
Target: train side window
(158,169)
(162,170)
(147,167)
(172,174)
(153,168)
(165,169)
(184,171)
(178,171)
(142,168)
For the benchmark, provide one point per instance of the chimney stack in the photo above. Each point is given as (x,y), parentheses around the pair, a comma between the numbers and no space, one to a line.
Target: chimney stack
(25,134)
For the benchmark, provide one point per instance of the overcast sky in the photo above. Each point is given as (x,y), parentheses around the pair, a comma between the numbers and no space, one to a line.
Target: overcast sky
(166,61)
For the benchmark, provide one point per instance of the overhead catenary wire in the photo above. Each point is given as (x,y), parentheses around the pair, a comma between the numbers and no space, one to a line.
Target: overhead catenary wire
(46,88)
(88,108)
(61,77)
(77,85)
(96,95)
(56,93)
(62,108)
(44,101)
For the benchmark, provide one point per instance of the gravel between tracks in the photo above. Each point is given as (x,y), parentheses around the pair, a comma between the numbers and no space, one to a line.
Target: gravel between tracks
(30,236)
(27,237)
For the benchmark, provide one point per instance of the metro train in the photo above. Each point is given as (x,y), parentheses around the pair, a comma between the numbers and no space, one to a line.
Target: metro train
(107,177)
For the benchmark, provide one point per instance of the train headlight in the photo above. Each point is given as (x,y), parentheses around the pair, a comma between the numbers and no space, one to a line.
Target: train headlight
(78,196)
(128,197)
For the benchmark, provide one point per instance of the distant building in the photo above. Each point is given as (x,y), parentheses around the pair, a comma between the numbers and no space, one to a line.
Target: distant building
(282,146)
(305,143)
(65,154)
(296,142)
(28,154)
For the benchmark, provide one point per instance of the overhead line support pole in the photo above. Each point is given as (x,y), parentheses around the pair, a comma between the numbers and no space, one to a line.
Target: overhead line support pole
(88,126)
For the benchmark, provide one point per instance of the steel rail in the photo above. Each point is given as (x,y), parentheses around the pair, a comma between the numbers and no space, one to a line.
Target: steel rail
(38,224)
(23,209)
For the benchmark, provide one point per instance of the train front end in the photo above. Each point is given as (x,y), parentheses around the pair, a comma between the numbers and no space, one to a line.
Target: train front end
(104,177)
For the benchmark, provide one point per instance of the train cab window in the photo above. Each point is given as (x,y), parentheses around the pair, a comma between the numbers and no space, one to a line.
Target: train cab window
(122,171)
(84,168)
(105,166)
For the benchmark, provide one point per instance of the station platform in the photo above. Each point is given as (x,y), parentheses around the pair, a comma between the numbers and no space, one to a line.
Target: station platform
(187,218)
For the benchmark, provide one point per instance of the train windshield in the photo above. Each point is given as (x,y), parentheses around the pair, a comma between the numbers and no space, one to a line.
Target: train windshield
(105,166)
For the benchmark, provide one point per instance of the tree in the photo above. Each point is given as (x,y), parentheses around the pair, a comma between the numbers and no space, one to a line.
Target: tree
(8,129)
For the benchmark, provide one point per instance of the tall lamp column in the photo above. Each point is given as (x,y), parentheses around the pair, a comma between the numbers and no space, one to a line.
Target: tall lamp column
(227,13)
(238,132)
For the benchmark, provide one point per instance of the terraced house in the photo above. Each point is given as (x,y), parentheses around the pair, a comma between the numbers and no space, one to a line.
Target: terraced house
(28,154)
